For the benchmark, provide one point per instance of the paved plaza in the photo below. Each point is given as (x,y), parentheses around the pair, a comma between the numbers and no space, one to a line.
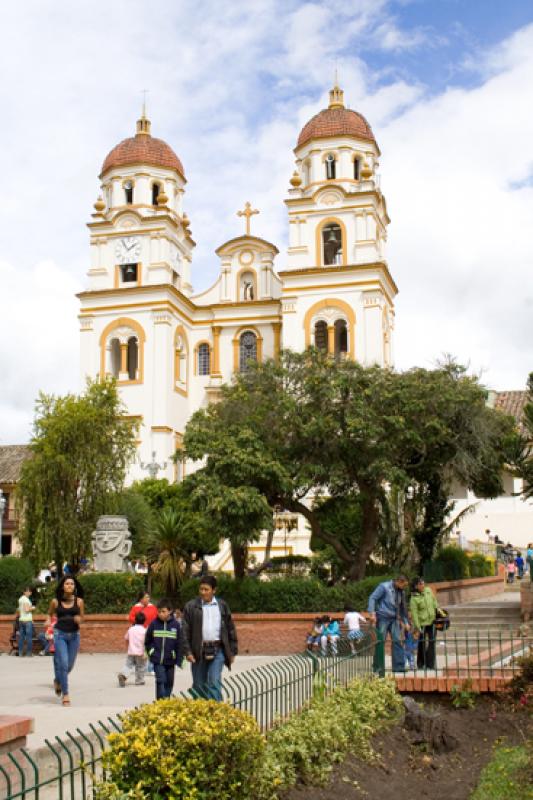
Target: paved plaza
(26,689)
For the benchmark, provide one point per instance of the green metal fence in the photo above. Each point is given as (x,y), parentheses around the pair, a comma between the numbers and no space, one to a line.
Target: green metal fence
(66,768)
(461,654)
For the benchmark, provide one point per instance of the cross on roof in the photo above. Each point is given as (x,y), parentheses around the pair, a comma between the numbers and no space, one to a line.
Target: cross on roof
(247,212)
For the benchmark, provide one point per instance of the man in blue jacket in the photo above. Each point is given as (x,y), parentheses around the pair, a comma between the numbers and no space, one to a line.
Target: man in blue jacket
(388,612)
(164,646)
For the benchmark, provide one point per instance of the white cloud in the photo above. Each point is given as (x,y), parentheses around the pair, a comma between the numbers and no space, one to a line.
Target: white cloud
(230,87)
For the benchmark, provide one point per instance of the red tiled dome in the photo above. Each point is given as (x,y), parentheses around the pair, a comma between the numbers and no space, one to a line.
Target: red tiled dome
(142,149)
(336,122)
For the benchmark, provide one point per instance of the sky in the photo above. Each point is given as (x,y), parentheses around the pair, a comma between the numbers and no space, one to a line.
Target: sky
(445,84)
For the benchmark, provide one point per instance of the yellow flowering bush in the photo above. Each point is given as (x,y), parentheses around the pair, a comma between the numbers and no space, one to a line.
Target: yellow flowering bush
(179,749)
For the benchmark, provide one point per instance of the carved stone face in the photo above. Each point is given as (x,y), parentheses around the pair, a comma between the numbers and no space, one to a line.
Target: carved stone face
(105,541)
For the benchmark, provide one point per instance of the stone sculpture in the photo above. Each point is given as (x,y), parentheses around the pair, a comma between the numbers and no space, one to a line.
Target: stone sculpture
(111,543)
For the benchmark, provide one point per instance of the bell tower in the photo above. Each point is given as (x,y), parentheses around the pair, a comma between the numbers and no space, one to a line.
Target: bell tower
(338,292)
(139,232)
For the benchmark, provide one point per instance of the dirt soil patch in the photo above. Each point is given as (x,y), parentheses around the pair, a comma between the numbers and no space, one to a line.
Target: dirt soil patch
(405,770)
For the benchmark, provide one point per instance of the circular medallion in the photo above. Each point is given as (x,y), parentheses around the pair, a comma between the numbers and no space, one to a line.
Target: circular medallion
(246,257)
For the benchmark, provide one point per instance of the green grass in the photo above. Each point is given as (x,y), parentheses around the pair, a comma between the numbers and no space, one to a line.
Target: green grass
(507,776)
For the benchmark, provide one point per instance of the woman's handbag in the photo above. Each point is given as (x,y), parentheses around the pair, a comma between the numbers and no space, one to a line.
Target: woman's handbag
(442,619)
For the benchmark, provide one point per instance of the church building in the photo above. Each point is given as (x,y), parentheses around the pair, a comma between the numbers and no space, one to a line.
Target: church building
(171,349)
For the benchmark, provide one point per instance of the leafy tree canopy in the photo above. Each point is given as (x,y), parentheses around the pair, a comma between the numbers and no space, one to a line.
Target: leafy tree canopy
(522,455)
(285,431)
(80,450)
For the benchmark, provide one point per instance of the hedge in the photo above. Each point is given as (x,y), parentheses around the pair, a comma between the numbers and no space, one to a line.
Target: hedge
(284,595)
(105,593)
(15,575)
(453,564)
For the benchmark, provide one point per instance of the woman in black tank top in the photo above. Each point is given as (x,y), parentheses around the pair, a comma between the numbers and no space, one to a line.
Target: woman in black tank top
(69,609)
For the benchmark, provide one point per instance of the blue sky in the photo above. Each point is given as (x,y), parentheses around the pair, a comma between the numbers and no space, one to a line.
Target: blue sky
(445,84)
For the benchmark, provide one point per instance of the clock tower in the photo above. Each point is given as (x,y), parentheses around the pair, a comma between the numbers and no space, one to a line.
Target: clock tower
(135,314)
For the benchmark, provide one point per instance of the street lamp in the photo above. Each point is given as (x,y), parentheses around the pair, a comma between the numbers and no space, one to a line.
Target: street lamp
(3,502)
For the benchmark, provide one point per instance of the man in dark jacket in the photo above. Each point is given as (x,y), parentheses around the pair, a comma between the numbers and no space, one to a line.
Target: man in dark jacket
(209,639)
(164,646)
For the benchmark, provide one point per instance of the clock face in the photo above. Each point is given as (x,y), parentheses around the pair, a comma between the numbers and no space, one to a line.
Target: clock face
(128,250)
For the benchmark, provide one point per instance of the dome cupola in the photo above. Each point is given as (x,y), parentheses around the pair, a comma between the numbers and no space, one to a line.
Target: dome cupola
(143,148)
(335,121)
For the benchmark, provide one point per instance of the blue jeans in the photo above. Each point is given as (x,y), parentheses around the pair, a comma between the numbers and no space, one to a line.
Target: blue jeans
(25,635)
(45,643)
(207,676)
(164,680)
(392,626)
(66,649)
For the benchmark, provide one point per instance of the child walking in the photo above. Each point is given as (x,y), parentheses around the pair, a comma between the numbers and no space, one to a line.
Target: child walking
(352,621)
(164,646)
(135,659)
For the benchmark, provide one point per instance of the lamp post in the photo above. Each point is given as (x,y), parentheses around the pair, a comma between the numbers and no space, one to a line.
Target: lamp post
(2,507)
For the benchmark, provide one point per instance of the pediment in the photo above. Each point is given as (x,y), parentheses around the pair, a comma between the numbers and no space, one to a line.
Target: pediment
(329,197)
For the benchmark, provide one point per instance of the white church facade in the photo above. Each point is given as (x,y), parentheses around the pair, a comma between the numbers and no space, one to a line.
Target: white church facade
(171,349)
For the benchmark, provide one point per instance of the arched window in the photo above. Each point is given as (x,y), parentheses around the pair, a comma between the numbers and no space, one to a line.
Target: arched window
(330,166)
(114,356)
(341,339)
(204,359)
(332,244)
(356,169)
(247,350)
(133,357)
(128,191)
(155,193)
(321,335)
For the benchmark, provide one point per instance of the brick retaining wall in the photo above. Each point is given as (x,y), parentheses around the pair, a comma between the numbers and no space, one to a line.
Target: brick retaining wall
(259,634)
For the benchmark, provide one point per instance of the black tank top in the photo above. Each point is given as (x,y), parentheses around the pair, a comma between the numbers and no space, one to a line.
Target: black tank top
(65,617)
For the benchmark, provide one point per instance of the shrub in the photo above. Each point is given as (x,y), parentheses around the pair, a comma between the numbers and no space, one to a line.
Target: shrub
(284,595)
(479,566)
(304,749)
(105,593)
(451,564)
(15,575)
(183,748)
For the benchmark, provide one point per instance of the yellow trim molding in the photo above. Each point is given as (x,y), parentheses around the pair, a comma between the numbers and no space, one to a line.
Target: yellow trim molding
(331,303)
(180,331)
(141,338)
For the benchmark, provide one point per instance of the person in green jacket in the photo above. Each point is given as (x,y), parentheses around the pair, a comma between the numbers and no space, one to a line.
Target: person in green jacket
(423,611)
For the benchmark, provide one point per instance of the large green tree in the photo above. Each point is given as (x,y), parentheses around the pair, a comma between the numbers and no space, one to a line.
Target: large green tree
(79,453)
(522,456)
(285,431)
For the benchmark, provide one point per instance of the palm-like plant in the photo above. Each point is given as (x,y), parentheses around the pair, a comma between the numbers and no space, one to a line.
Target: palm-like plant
(171,547)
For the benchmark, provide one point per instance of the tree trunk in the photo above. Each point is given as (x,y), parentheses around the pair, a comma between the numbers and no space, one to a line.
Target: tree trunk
(369,530)
(436,508)
(316,530)
(427,727)
(239,554)
(266,559)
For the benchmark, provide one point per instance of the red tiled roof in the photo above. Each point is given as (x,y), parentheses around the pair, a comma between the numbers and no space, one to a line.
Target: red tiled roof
(12,457)
(142,149)
(336,122)
(512,403)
